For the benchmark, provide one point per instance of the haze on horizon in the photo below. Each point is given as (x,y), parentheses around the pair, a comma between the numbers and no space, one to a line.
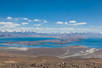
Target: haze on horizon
(50,16)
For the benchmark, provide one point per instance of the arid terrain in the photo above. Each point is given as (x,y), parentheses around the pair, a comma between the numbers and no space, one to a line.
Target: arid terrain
(48,62)
(68,57)
(65,52)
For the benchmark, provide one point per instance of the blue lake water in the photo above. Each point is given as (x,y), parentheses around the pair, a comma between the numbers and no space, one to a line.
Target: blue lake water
(90,42)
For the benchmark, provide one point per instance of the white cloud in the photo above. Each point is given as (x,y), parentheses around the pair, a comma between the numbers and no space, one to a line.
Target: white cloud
(40,21)
(9,18)
(4,23)
(35,27)
(25,18)
(36,20)
(81,23)
(72,21)
(9,24)
(59,22)
(24,23)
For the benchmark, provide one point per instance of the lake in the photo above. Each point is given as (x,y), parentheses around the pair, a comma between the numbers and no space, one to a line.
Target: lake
(90,42)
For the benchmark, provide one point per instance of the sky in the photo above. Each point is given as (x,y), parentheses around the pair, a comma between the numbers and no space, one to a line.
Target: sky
(50,16)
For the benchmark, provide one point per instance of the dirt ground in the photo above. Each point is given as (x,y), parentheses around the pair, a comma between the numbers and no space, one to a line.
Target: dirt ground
(48,62)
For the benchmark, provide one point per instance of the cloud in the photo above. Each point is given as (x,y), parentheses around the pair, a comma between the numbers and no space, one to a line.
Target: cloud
(25,18)
(36,20)
(24,23)
(81,23)
(9,18)
(4,23)
(9,24)
(72,21)
(38,25)
(40,21)
(59,22)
